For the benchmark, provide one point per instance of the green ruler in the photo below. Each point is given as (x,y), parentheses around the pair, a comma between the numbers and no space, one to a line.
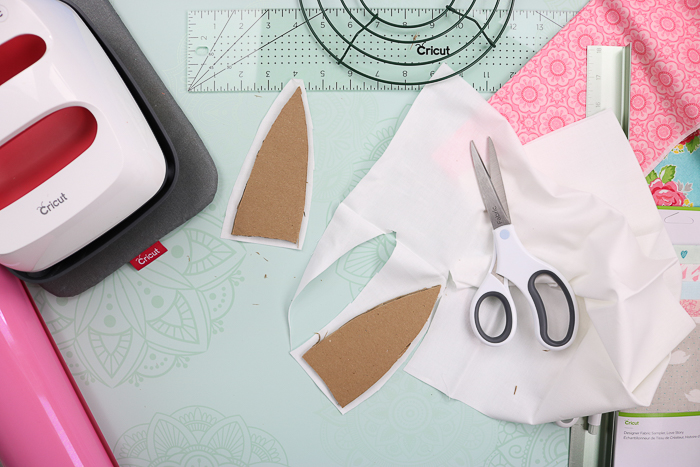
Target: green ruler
(260,50)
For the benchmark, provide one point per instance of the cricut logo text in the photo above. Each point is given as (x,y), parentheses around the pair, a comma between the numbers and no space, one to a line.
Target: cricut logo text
(44,209)
(148,256)
(423,50)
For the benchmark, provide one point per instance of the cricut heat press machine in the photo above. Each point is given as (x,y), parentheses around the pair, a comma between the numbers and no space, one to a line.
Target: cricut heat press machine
(84,159)
(78,156)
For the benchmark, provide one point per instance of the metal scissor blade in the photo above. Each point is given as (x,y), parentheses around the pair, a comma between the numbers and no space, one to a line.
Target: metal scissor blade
(495,174)
(498,215)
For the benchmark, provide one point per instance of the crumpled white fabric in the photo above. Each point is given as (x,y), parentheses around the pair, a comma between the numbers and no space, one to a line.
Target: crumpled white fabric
(577,200)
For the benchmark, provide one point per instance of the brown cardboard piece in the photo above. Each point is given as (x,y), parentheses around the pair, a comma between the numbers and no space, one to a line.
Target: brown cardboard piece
(272,205)
(361,351)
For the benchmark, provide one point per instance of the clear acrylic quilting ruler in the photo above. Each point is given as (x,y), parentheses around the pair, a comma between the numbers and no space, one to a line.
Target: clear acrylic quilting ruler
(608,79)
(260,50)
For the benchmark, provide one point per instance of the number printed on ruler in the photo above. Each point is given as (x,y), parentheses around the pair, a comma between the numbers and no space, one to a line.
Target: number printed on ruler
(261,50)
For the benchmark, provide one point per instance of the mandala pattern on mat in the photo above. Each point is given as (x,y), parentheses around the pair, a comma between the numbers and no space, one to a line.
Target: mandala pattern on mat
(372,149)
(410,423)
(341,123)
(528,445)
(198,437)
(359,265)
(665,83)
(142,324)
(364,261)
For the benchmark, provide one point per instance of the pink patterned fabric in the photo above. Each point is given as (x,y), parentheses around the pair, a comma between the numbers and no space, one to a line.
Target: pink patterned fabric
(690,272)
(550,90)
(692,307)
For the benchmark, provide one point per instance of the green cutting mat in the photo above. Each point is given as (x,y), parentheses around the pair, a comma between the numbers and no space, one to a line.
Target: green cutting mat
(187,363)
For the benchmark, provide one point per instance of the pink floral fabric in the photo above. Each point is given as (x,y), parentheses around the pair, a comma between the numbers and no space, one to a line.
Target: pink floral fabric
(550,90)
(690,272)
(666,194)
(692,307)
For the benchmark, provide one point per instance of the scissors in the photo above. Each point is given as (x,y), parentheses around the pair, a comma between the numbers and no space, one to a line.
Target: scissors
(512,262)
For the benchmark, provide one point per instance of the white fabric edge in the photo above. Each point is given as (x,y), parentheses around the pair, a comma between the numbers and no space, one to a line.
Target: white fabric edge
(408,273)
(242,180)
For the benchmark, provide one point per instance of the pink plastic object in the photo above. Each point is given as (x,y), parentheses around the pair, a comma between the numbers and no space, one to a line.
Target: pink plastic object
(43,420)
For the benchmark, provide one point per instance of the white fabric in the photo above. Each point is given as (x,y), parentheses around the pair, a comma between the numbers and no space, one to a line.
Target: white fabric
(247,168)
(598,227)
(405,272)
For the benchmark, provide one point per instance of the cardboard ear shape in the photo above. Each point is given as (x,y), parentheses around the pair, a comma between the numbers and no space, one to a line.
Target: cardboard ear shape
(272,205)
(360,352)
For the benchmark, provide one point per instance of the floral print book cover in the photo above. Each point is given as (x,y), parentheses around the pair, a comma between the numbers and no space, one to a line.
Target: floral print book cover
(671,182)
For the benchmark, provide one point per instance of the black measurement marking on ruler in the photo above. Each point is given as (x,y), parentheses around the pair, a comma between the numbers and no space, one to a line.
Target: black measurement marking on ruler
(222,55)
(205,58)
(550,20)
(259,48)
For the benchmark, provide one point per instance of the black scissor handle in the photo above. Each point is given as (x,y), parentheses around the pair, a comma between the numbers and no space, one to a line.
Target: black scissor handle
(541,312)
(508,313)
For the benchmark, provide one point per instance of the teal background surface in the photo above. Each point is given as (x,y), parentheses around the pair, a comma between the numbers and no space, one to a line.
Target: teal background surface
(186,362)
